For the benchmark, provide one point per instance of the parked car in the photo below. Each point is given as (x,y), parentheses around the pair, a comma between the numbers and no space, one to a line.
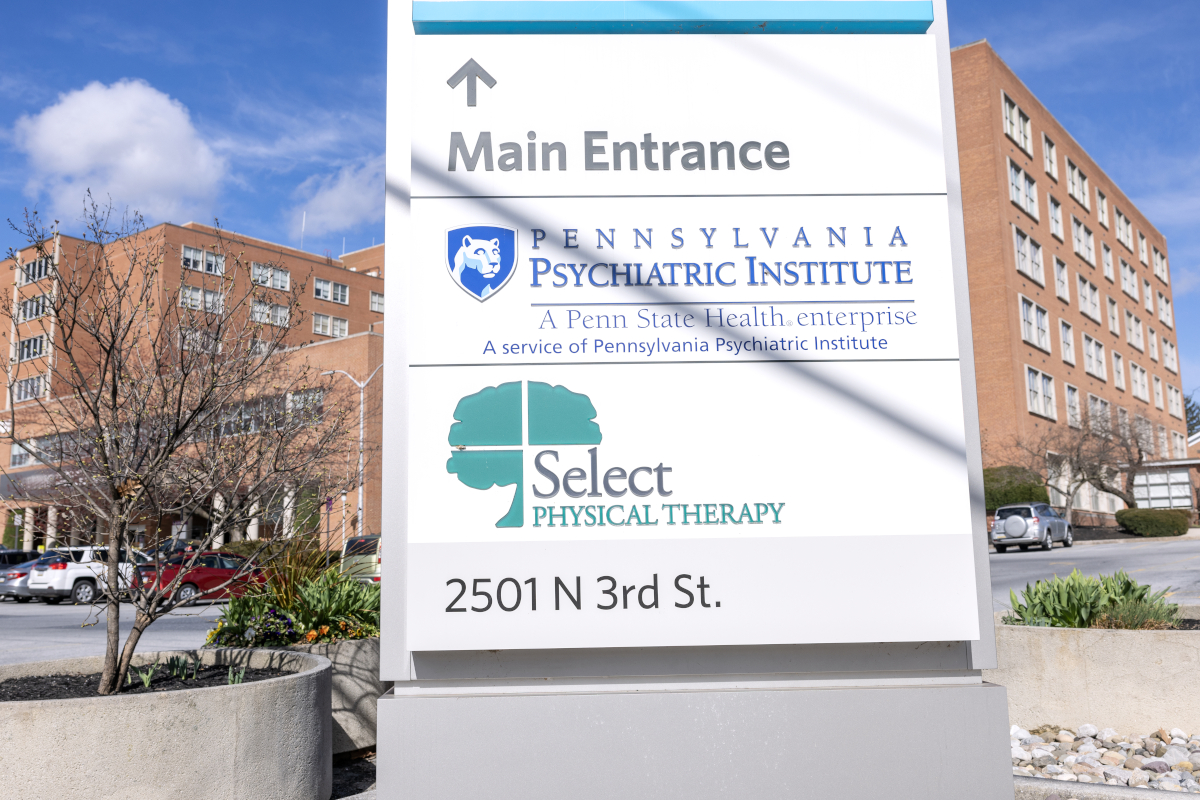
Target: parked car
(10,558)
(361,558)
(14,581)
(210,570)
(1025,524)
(76,572)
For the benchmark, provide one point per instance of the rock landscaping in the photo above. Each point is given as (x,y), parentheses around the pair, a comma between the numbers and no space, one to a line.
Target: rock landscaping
(1161,759)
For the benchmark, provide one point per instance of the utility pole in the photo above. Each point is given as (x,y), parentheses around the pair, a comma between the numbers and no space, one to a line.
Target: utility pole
(362,388)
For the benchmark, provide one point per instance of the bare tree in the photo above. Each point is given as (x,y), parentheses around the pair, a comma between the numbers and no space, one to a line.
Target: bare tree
(160,391)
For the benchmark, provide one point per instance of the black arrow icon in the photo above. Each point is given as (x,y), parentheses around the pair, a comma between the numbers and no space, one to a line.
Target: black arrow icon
(471,70)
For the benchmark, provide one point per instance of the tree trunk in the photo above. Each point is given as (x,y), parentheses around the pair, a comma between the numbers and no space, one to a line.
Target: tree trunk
(110,678)
(140,623)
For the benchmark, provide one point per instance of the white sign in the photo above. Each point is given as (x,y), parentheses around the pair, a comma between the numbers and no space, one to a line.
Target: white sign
(683,346)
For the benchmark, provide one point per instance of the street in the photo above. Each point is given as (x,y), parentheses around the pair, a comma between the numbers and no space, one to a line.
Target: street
(39,632)
(1159,562)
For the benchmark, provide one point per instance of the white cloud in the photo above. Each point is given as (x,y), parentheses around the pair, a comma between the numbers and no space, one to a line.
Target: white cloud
(351,197)
(128,141)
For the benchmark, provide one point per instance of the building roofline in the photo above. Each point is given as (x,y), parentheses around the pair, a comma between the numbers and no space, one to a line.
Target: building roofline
(972,44)
(307,345)
(363,249)
(328,261)
(1068,134)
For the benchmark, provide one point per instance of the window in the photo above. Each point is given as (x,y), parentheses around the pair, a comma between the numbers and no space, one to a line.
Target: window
(1035,324)
(1145,259)
(1118,370)
(1160,266)
(1073,412)
(28,388)
(1062,285)
(1089,298)
(1153,339)
(268,313)
(1174,401)
(271,276)
(1106,251)
(1099,413)
(1022,189)
(1178,444)
(1041,393)
(1029,257)
(1140,382)
(190,297)
(1134,333)
(1101,208)
(1124,230)
(34,271)
(1056,227)
(199,340)
(1050,157)
(1144,433)
(20,456)
(31,348)
(1093,358)
(1123,422)
(1114,317)
(1164,310)
(1129,281)
(328,290)
(34,307)
(1077,184)
(1170,357)
(1148,299)
(377,302)
(1068,341)
(203,261)
(1085,243)
(1162,440)
(310,403)
(1016,125)
(326,325)
(1158,393)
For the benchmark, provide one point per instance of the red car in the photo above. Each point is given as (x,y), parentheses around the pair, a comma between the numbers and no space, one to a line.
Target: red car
(211,569)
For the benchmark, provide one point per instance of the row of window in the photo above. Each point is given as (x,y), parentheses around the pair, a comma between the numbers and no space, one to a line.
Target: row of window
(274,277)
(1042,400)
(1035,330)
(1023,189)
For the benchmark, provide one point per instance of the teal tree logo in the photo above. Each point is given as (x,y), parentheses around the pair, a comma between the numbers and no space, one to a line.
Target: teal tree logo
(491,418)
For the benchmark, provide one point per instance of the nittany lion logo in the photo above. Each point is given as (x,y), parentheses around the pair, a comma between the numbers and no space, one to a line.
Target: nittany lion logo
(481,258)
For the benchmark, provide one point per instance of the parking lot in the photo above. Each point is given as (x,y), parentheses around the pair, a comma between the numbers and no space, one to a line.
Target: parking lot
(39,632)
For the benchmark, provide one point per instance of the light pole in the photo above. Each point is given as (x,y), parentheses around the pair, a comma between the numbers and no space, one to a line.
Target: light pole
(362,388)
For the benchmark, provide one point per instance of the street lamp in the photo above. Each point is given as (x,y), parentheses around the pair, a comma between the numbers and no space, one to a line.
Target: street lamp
(362,388)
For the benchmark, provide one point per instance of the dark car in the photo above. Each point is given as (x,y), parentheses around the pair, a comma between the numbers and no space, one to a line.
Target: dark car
(9,558)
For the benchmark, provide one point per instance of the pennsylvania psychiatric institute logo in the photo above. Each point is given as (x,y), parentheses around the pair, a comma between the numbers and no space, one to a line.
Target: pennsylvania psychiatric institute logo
(481,258)
(492,418)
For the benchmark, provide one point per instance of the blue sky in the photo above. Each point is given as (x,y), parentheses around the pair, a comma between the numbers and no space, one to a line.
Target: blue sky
(257,112)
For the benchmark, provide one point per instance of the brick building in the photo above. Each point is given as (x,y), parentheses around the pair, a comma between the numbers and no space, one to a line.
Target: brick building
(342,301)
(1070,285)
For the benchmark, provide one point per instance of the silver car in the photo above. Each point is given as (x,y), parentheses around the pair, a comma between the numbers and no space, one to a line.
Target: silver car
(1025,524)
(14,581)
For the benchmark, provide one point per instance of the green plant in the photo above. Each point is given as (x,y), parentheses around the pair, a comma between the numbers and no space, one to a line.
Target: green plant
(1005,485)
(147,674)
(1154,521)
(1071,602)
(235,677)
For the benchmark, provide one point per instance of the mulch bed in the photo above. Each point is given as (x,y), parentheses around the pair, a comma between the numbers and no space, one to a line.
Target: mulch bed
(71,687)
(1083,534)
(1188,625)
(353,773)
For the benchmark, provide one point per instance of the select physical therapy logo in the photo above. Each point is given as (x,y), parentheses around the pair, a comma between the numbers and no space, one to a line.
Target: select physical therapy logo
(491,419)
(481,258)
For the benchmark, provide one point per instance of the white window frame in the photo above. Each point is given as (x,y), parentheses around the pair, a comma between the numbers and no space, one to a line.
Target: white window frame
(1118,364)
(322,288)
(1056,223)
(1129,280)
(1152,340)
(1074,412)
(199,260)
(1062,280)
(31,348)
(1174,401)
(1077,184)
(377,302)
(1089,298)
(1022,189)
(1178,444)
(1101,208)
(1134,332)
(33,271)
(1083,241)
(1067,341)
(1148,295)
(1093,358)
(1099,412)
(321,324)
(1143,254)
(1165,315)
(1035,324)
(1124,230)
(1139,382)
(341,293)
(1039,390)
(191,297)
(30,388)
(1029,257)
(1170,355)
(1158,392)
(1114,317)
(1107,258)
(1160,266)
(1017,125)
(32,308)
(1050,157)
(271,276)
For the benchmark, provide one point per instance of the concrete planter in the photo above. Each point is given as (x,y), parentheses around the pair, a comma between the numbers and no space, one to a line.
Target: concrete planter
(356,690)
(266,740)
(1134,681)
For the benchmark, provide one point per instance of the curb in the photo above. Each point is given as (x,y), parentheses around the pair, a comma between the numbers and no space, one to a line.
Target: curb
(370,794)
(1042,788)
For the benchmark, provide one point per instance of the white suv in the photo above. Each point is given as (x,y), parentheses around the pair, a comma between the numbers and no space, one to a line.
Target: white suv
(76,572)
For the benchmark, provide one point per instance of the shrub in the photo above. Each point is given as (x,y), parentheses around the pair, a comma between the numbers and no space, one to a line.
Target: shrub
(1154,521)
(1003,486)
(1080,601)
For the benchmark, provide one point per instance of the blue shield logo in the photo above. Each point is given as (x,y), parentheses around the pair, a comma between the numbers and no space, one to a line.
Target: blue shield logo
(481,258)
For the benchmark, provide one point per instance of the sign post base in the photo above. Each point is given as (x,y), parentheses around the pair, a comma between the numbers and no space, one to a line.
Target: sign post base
(701,741)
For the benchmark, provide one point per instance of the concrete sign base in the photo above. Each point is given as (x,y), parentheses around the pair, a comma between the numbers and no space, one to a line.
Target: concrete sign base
(703,742)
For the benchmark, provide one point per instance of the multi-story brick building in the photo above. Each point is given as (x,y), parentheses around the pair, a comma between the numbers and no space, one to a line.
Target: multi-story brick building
(341,336)
(1070,286)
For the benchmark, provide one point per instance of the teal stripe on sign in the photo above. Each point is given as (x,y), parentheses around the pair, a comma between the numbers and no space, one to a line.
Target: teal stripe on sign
(671,16)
